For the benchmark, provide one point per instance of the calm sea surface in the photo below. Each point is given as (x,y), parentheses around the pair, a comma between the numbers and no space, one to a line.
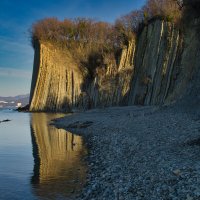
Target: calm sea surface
(38,161)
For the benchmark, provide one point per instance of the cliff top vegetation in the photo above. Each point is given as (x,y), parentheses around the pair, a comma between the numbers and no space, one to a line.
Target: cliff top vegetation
(89,40)
(101,34)
(85,30)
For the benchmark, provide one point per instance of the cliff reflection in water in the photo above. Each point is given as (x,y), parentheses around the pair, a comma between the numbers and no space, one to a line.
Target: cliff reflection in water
(59,170)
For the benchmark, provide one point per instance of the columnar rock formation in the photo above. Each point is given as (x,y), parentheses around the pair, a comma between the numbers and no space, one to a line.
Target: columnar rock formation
(155,68)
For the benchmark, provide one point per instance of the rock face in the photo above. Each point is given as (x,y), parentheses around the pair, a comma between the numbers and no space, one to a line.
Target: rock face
(191,52)
(59,83)
(111,84)
(160,67)
(155,59)
(56,81)
(166,61)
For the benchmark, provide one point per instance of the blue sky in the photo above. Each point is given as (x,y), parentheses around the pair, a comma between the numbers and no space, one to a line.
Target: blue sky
(16,18)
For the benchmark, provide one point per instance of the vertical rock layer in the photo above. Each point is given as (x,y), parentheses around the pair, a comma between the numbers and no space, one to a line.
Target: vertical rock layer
(156,57)
(56,81)
(167,60)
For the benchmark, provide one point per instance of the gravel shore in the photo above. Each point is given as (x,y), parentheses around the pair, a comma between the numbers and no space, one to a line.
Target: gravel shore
(147,153)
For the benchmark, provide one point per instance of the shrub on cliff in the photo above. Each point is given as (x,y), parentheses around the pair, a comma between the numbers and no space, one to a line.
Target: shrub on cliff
(80,31)
(168,9)
(127,25)
(89,42)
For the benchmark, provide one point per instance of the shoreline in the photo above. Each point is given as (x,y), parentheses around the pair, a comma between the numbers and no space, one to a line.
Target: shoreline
(139,152)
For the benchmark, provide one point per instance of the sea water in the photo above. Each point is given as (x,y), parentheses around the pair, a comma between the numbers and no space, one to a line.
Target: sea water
(37,160)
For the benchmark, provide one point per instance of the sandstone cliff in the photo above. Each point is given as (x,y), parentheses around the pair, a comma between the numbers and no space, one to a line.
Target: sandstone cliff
(158,67)
(59,83)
